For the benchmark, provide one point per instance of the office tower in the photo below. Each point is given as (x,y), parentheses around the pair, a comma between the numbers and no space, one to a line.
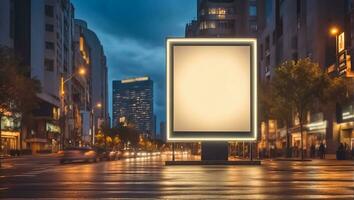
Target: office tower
(133,103)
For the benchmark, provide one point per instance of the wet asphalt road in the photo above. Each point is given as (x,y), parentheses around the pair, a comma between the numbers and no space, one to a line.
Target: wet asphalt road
(44,177)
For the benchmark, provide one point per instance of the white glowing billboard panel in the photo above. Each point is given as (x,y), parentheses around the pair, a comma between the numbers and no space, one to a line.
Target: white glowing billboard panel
(211,89)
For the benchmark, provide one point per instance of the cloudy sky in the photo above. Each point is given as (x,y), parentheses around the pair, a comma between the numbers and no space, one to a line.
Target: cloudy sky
(133,35)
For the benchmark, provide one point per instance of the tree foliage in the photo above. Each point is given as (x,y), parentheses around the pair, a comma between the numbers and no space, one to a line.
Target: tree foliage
(18,91)
(300,87)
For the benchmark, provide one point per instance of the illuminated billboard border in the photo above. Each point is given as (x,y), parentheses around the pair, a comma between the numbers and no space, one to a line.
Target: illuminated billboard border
(206,135)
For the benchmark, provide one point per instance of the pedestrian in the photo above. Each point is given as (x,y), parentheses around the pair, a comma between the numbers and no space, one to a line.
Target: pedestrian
(340,152)
(317,146)
(296,151)
(322,151)
(312,150)
(346,151)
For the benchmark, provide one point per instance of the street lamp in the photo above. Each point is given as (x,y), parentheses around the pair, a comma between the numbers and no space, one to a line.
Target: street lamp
(334,32)
(98,106)
(81,71)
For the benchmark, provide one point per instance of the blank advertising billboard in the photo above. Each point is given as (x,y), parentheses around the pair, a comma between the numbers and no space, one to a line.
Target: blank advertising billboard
(211,89)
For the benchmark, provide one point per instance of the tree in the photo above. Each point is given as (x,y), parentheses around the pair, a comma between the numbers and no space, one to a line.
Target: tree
(283,111)
(25,99)
(299,85)
(17,90)
(340,91)
(6,85)
(128,134)
(265,106)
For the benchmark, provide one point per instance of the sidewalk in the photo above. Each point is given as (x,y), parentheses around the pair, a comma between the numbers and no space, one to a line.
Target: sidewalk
(47,155)
(327,157)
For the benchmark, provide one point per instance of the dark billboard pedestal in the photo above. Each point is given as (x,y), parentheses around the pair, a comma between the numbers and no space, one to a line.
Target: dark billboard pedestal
(215,151)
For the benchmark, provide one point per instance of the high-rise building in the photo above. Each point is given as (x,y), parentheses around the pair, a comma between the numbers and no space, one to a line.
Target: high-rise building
(224,18)
(290,30)
(40,32)
(133,103)
(163,131)
(81,123)
(52,47)
(97,85)
(298,29)
(154,128)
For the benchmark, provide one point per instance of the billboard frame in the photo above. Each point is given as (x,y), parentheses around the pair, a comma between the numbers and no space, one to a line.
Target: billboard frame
(186,136)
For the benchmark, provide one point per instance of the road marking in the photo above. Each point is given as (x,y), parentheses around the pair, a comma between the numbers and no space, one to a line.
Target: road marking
(23,175)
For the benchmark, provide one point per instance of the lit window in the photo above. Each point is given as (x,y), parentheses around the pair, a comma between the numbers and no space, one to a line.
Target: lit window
(253,27)
(207,25)
(221,16)
(253,10)
(217,11)
(81,43)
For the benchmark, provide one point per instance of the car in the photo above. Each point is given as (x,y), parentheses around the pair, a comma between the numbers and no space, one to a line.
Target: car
(106,154)
(128,154)
(84,154)
(113,155)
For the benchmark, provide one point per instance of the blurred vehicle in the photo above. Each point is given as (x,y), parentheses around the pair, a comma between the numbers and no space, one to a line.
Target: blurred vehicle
(113,155)
(107,154)
(84,154)
(128,154)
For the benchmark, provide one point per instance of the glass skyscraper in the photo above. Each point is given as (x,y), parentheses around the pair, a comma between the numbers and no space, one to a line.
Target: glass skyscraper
(133,103)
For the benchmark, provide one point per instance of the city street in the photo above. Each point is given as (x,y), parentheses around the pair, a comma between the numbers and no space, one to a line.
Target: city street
(44,177)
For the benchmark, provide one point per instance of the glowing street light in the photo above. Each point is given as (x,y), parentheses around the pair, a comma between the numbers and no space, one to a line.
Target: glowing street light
(97,106)
(82,71)
(334,31)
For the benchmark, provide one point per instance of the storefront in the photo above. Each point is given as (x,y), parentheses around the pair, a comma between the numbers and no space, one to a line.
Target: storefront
(346,134)
(296,143)
(314,133)
(281,139)
(53,135)
(44,133)
(10,135)
(10,140)
(268,144)
(346,128)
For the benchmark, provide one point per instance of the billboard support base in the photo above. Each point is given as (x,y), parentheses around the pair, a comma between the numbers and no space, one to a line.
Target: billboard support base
(213,162)
(212,150)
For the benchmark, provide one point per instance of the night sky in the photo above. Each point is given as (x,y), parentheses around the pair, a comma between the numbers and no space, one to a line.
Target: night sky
(133,34)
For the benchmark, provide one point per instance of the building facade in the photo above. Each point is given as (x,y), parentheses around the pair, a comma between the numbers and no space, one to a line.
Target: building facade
(40,34)
(224,18)
(133,104)
(163,135)
(45,37)
(290,30)
(97,102)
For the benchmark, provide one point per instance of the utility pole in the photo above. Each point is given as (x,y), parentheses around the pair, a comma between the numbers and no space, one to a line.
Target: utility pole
(1,140)
(173,151)
(251,156)
(62,113)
